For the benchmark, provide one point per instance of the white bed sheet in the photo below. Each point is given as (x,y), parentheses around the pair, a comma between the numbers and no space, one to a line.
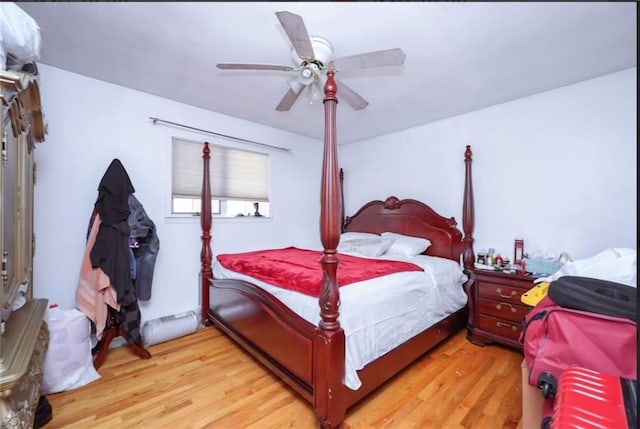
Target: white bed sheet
(378,315)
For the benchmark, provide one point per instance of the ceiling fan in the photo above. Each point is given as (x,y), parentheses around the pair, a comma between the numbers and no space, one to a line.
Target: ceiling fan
(313,56)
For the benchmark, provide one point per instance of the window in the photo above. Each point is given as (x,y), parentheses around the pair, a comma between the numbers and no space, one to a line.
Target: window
(239,180)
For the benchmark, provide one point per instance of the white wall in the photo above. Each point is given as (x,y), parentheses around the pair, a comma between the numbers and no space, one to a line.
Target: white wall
(91,123)
(558,168)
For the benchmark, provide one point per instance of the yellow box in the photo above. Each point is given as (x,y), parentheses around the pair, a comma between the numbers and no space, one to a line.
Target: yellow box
(534,295)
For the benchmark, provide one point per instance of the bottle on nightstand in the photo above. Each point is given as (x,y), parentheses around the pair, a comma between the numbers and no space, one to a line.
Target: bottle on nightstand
(489,259)
(518,251)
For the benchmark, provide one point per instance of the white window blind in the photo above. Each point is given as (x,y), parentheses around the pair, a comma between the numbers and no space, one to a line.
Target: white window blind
(235,174)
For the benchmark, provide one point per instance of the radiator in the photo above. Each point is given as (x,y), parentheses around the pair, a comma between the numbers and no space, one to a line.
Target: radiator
(169,327)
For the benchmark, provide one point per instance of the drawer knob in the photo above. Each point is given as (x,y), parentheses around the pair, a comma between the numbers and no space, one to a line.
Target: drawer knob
(506,325)
(500,304)
(513,293)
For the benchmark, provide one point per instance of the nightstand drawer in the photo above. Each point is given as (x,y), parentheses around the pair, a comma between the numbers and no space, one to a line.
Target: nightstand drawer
(513,280)
(500,327)
(502,309)
(501,292)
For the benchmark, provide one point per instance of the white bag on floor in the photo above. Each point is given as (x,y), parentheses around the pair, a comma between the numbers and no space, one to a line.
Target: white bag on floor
(68,363)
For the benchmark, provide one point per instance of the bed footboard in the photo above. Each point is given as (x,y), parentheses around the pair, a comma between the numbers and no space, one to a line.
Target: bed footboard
(270,332)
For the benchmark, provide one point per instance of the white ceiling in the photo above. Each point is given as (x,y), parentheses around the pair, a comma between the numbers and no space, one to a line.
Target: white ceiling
(460,56)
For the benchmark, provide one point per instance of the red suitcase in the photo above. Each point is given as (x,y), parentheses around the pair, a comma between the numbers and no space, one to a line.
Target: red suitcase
(557,337)
(589,399)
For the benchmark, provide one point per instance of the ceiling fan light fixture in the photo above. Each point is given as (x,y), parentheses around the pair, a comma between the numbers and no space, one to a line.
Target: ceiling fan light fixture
(308,73)
(315,92)
(295,84)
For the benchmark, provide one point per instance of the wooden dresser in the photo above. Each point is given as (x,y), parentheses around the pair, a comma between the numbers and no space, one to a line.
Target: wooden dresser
(24,337)
(495,309)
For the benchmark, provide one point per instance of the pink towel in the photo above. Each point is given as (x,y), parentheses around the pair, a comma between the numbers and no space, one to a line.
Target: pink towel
(94,290)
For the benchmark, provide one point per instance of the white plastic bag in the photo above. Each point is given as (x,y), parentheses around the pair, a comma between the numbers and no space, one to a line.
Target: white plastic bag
(68,363)
(19,36)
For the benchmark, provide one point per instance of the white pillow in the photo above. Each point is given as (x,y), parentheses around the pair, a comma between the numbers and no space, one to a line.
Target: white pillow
(346,236)
(406,245)
(372,247)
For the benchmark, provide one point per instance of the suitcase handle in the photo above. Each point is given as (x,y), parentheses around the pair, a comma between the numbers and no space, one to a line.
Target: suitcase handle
(513,293)
(500,304)
(506,325)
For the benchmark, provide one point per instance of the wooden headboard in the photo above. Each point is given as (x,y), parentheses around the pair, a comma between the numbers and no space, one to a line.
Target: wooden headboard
(415,218)
(409,217)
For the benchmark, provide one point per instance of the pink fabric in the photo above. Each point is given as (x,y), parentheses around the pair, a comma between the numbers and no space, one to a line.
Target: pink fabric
(300,270)
(556,337)
(94,291)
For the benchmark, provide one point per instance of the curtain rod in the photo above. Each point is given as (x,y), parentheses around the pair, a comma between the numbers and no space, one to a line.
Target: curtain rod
(158,120)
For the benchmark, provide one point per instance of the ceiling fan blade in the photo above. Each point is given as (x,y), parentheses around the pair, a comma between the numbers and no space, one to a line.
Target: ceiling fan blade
(350,97)
(232,66)
(297,32)
(388,57)
(289,98)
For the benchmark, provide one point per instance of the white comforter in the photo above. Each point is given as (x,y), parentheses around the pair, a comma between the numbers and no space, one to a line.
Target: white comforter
(380,314)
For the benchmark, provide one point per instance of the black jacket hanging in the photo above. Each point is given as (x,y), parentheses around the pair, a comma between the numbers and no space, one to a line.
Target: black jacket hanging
(111,249)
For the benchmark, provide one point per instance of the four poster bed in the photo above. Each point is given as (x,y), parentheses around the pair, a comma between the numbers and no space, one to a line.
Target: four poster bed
(312,348)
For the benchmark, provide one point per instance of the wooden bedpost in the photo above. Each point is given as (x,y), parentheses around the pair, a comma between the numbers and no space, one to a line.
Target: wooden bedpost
(341,200)
(329,345)
(468,213)
(205,221)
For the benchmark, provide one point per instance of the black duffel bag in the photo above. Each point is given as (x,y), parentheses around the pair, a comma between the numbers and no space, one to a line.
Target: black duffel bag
(596,296)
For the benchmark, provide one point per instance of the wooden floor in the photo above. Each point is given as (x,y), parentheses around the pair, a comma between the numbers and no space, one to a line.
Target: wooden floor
(203,380)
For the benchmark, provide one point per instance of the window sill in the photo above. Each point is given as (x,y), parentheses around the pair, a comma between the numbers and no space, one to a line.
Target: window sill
(217,219)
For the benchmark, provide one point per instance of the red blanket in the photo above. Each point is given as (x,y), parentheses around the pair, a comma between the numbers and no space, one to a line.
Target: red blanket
(300,270)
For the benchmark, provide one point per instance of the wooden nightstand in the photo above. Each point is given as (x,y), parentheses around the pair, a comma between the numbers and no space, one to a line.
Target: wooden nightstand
(495,309)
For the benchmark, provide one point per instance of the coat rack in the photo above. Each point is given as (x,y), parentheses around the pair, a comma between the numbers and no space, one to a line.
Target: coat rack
(113,330)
